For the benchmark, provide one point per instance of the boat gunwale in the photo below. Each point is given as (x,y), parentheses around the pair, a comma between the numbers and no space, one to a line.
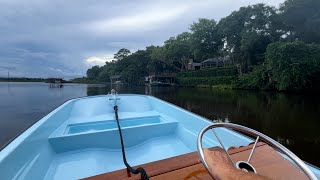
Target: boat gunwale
(18,139)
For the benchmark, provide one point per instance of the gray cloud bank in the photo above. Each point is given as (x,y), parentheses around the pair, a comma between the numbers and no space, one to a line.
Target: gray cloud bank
(63,38)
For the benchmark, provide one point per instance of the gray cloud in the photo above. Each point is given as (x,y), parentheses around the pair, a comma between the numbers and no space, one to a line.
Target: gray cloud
(63,38)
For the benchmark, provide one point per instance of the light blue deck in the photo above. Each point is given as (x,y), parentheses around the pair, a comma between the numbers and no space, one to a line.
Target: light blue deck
(80,138)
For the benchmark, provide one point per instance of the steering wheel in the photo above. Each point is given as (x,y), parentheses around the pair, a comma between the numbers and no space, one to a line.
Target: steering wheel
(266,139)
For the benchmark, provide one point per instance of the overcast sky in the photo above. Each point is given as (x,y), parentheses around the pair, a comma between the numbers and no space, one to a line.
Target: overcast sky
(60,38)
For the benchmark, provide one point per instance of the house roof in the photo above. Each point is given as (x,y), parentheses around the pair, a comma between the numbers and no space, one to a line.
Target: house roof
(216,59)
(211,60)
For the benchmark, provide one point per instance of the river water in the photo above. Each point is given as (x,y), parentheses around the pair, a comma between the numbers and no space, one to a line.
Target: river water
(293,120)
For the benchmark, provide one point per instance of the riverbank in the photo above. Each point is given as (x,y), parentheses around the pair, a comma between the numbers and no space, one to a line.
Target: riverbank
(85,80)
(22,79)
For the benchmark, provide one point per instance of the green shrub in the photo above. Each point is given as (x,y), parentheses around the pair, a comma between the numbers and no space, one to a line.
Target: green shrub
(211,72)
(257,79)
(194,81)
(289,66)
(293,65)
(222,87)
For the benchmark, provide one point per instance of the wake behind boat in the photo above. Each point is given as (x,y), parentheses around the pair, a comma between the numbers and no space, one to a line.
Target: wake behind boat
(80,139)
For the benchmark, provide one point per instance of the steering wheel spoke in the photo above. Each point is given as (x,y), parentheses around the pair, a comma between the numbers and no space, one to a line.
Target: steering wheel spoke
(223,146)
(253,148)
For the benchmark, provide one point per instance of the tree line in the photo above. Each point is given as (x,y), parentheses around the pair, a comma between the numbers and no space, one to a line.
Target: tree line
(272,48)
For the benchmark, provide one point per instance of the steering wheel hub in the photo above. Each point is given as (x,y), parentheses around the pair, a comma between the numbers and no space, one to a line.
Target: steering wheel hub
(245,166)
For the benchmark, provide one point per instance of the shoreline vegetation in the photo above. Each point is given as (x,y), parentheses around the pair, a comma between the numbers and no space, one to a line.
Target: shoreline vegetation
(267,48)
(27,79)
(22,79)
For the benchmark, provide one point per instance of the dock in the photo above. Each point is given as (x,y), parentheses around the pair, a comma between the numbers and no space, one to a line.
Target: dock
(168,79)
(55,82)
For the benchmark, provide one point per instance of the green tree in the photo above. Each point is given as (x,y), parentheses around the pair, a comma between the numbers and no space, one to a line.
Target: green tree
(134,66)
(93,72)
(122,53)
(157,62)
(253,48)
(302,18)
(178,51)
(243,30)
(106,71)
(206,40)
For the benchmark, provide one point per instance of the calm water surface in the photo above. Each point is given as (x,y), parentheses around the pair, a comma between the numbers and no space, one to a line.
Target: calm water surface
(293,120)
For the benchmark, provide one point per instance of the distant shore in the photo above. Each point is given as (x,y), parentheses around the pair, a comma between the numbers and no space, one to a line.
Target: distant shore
(26,79)
(22,79)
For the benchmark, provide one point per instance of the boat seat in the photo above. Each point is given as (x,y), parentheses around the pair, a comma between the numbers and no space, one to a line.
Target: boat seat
(109,138)
(266,161)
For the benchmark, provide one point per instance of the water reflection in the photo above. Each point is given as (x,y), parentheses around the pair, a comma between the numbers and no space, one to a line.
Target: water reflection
(55,85)
(291,119)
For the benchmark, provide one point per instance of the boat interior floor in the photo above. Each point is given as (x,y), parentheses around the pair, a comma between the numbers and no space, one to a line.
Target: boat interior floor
(107,160)
(265,159)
